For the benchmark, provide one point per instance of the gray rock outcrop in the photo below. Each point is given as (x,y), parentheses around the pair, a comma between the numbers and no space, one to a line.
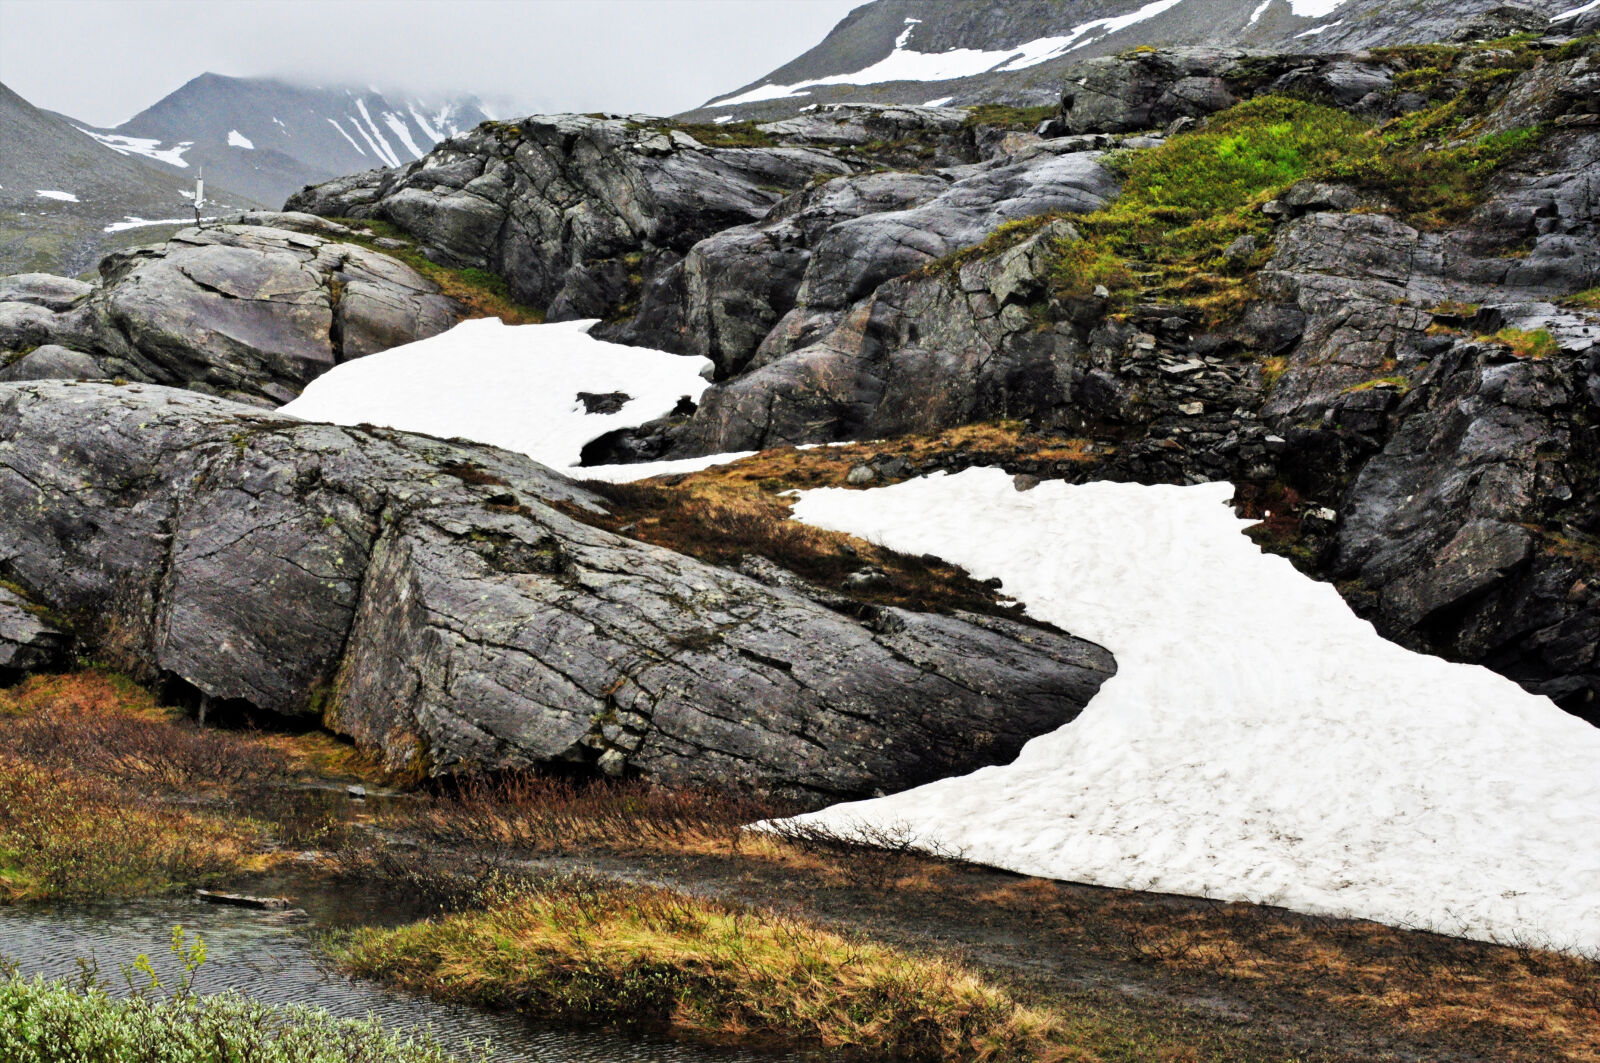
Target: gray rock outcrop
(27,640)
(557,204)
(253,310)
(43,289)
(1151,89)
(732,288)
(442,605)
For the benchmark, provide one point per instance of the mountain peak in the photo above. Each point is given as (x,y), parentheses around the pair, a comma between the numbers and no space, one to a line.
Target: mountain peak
(268,137)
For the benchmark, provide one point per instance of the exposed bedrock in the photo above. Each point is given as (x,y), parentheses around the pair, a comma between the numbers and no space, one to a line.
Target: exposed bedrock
(252,310)
(920,354)
(1463,471)
(440,604)
(1151,89)
(558,203)
(1445,479)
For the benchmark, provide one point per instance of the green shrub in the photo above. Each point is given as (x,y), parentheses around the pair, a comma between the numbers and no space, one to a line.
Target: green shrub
(52,1022)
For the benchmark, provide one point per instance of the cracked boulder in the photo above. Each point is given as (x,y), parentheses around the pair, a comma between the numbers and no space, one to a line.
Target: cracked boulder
(446,607)
(252,310)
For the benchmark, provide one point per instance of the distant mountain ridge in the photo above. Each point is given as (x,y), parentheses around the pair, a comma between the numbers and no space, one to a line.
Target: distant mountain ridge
(964,52)
(267,138)
(65,200)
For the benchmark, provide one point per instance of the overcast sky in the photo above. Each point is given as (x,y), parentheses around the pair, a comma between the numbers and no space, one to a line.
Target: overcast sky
(103,61)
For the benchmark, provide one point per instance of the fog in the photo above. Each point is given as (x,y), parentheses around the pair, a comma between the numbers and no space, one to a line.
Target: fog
(102,61)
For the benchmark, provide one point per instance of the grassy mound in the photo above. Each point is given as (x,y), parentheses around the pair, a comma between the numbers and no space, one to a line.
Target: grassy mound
(574,950)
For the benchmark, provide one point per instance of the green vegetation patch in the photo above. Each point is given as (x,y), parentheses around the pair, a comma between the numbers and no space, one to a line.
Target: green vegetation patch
(712,135)
(1538,343)
(996,115)
(483,292)
(1588,299)
(53,1022)
(1186,201)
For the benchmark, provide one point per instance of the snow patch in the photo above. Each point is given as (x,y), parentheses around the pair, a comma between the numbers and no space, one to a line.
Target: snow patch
(512,386)
(1261,9)
(403,132)
(1319,29)
(50,193)
(905,64)
(643,470)
(1259,741)
(1575,12)
(347,136)
(139,223)
(373,137)
(237,139)
(422,124)
(940,102)
(146,146)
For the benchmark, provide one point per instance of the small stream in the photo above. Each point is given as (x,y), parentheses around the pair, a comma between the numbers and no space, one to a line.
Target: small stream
(271,957)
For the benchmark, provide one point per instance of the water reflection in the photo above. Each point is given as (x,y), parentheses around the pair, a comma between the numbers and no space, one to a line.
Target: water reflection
(270,957)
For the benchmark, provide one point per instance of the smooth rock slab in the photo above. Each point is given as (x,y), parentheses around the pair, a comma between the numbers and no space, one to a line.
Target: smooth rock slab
(252,310)
(431,601)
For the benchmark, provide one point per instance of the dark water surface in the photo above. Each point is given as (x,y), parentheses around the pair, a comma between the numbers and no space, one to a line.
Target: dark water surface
(271,956)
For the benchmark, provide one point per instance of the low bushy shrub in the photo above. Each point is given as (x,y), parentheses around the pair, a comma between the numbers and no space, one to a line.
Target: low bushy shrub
(53,1022)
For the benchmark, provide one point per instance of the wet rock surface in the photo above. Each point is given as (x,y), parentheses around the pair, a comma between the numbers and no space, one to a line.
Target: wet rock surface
(440,604)
(252,310)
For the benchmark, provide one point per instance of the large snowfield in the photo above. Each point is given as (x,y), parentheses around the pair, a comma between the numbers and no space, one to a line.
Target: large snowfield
(1259,741)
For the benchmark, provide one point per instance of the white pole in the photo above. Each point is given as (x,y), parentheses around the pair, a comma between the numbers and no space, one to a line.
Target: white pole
(199,194)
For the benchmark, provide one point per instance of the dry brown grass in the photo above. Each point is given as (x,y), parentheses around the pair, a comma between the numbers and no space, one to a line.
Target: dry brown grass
(102,725)
(504,820)
(85,763)
(728,512)
(106,792)
(531,814)
(1418,982)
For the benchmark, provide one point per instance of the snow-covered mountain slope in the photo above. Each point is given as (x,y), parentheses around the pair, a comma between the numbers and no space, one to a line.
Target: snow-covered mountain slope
(268,138)
(65,200)
(1259,741)
(964,52)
